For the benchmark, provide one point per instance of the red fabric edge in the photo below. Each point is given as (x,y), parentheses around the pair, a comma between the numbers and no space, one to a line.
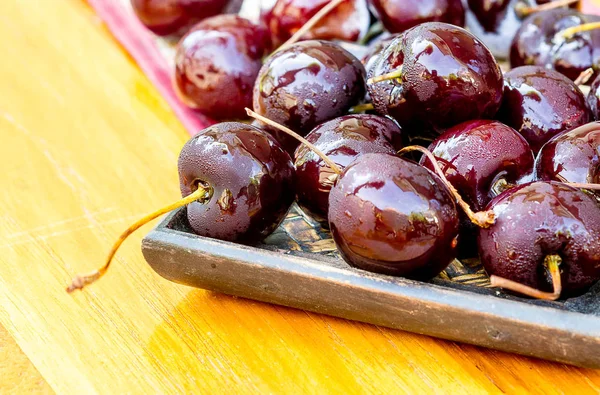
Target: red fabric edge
(140,44)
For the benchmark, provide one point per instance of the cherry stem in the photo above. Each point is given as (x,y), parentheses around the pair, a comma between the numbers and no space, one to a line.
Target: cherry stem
(584,77)
(552,263)
(295,135)
(571,31)
(361,108)
(501,185)
(523,11)
(81,281)
(483,219)
(386,77)
(582,185)
(311,23)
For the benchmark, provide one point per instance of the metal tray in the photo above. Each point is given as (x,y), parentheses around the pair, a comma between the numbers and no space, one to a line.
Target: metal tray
(298,266)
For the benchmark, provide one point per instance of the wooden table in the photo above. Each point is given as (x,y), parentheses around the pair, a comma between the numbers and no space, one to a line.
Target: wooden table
(88,146)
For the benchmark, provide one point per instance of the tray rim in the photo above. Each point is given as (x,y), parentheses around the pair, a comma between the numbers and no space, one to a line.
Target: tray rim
(572,323)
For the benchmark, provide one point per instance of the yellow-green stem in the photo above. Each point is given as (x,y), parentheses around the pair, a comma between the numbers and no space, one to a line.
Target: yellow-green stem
(392,75)
(571,31)
(552,263)
(81,281)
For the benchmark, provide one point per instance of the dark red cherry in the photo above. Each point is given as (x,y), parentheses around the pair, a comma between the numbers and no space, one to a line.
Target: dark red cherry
(400,15)
(251,178)
(342,140)
(495,22)
(541,219)
(390,215)
(447,76)
(572,156)
(349,21)
(164,17)
(481,159)
(538,42)
(491,13)
(376,48)
(541,103)
(216,65)
(307,84)
(593,99)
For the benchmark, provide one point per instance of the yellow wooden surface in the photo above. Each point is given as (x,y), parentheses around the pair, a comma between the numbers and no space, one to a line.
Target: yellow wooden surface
(87,145)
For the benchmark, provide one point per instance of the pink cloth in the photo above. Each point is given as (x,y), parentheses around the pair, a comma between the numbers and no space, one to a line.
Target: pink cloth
(140,44)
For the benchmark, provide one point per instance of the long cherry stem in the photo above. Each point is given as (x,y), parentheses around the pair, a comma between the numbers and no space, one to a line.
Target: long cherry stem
(571,31)
(483,219)
(552,263)
(311,23)
(295,135)
(81,281)
(523,11)
(392,75)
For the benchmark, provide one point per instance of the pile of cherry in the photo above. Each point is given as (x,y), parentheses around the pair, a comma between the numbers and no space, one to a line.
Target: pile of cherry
(511,167)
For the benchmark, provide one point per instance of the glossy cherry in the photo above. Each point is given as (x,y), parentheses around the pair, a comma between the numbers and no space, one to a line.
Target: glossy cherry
(539,42)
(251,179)
(307,84)
(540,220)
(481,159)
(541,103)
(390,215)
(593,99)
(400,15)
(572,156)
(216,65)
(444,76)
(376,48)
(349,21)
(164,17)
(342,140)
(237,183)
(496,22)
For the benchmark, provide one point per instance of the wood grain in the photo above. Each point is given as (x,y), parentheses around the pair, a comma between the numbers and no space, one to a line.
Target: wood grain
(87,147)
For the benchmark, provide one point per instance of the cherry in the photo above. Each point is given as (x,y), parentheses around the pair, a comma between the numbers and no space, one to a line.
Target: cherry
(390,215)
(400,15)
(435,76)
(237,183)
(540,41)
(540,226)
(216,65)
(342,140)
(307,84)
(572,156)
(349,21)
(250,176)
(481,159)
(496,22)
(593,99)
(165,17)
(541,103)
(376,48)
